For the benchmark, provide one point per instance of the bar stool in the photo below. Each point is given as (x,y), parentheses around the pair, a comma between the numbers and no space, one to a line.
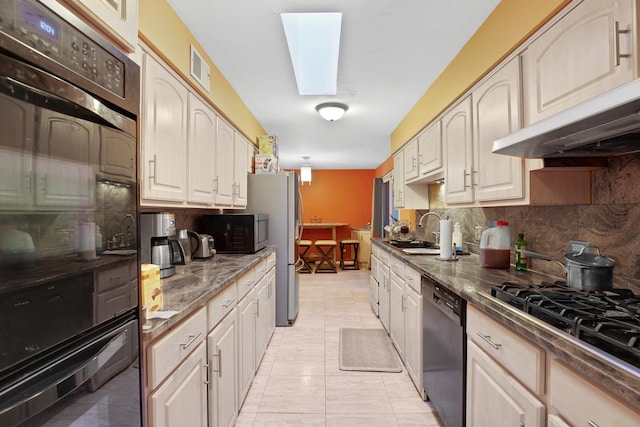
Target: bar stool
(327,249)
(349,244)
(304,246)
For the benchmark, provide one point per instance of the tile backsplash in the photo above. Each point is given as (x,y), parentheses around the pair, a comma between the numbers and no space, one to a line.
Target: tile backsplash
(611,222)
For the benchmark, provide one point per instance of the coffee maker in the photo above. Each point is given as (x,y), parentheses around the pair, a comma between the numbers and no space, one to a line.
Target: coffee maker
(157,232)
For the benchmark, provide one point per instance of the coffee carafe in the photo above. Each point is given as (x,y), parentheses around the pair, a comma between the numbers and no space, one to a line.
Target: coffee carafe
(184,246)
(157,231)
(162,255)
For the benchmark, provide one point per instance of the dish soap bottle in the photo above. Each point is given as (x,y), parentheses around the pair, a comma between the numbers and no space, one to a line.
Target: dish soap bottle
(521,258)
(457,236)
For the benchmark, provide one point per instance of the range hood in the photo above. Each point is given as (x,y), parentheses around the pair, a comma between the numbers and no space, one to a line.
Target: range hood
(604,126)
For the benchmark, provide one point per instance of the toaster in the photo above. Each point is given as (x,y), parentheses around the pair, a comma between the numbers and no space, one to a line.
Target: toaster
(202,245)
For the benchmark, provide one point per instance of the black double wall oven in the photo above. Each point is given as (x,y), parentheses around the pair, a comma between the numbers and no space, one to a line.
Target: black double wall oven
(69,300)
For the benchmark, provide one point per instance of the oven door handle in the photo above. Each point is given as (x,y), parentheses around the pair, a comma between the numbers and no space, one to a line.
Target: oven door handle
(63,383)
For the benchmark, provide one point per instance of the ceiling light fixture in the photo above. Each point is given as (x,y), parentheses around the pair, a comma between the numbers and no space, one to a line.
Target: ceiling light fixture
(305,171)
(331,111)
(314,46)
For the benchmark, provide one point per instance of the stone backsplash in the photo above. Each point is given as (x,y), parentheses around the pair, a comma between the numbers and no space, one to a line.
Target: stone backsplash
(611,222)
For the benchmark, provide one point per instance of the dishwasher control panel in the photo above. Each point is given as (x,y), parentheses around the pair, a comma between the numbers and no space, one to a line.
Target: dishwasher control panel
(446,300)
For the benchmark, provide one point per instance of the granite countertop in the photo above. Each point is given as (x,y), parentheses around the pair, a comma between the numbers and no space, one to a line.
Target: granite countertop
(472,282)
(196,283)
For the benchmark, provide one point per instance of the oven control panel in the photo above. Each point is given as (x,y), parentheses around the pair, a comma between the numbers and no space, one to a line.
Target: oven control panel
(39,28)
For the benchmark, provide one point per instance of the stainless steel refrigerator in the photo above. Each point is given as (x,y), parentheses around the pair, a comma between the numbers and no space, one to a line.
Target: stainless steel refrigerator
(279,196)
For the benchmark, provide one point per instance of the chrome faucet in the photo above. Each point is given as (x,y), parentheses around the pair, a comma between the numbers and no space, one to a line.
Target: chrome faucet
(428,213)
(126,233)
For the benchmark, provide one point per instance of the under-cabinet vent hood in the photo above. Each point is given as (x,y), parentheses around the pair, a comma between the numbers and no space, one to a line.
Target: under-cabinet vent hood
(604,126)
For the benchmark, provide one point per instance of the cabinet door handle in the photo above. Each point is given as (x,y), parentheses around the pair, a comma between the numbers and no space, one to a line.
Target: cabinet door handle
(402,303)
(228,303)
(215,187)
(257,303)
(618,54)
(206,373)
(591,423)
(464,178)
(487,339)
(219,358)
(152,169)
(192,338)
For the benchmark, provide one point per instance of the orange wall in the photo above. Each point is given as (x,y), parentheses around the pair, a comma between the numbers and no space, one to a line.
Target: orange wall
(338,196)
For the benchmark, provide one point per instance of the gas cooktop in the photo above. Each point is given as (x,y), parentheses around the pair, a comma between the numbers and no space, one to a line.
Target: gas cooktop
(608,320)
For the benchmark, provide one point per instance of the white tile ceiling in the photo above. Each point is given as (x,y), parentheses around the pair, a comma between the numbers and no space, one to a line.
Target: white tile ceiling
(390,53)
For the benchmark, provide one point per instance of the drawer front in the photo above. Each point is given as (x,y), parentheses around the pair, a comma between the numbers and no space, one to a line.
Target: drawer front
(221,305)
(374,268)
(261,268)
(590,406)
(167,353)
(397,266)
(113,277)
(413,278)
(246,282)
(271,261)
(375,251)
(524,360)
(384,257)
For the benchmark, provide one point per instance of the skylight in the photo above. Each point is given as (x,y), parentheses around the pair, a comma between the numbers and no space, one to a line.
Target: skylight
(314,45)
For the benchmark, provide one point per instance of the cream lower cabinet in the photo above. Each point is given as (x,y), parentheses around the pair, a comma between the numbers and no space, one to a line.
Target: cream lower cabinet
(405,322)
(586,52)
(262,315)
(223,372)
(246,344)
(364,251)
(384,290)
(374,285)
(494,397)
(177,375)
(182,399)
(592,406)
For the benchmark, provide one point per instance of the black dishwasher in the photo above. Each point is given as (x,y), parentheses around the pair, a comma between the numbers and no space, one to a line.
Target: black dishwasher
(444,351)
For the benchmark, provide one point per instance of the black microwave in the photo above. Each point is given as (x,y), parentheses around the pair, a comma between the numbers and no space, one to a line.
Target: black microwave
(237,233)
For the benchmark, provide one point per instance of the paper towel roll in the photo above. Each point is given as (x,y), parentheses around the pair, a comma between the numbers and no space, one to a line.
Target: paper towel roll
(87,243)
(445,239)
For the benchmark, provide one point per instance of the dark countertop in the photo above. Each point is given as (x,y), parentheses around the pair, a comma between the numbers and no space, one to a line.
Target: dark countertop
(196,283)
(466,278)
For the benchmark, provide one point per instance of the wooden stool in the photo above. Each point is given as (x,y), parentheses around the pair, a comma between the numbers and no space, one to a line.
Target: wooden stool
(304,246)
(327,249)
(349,244)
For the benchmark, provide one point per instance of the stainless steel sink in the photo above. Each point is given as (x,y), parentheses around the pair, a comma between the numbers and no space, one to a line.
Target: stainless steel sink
(402,244)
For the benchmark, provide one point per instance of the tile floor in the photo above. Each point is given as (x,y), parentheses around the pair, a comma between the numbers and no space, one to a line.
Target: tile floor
(299,382)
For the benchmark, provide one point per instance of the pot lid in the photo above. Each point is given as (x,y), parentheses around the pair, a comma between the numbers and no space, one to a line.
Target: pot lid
(589,259)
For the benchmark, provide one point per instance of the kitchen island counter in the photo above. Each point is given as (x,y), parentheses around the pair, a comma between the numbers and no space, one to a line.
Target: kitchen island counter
(196,283)
(473,283)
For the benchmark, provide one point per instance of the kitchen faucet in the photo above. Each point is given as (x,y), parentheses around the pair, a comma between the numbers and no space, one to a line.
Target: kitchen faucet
(126,232)
(428,213)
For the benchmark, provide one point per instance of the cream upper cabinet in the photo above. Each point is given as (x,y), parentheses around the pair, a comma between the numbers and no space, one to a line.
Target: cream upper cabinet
(591,407)
(430,150)
(201,142)
(457,139)
(164,134)
(224,163)
(398,179)
(494,397)
(496,113)
(411,160)
(587,52)
(240,154)
(118,19)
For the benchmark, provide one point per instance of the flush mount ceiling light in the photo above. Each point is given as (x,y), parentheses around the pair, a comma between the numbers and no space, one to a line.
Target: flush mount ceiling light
(305,171)
(314,45)
(331,111)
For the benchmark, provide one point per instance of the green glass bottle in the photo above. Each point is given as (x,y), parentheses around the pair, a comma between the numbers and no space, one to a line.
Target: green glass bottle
(521,258)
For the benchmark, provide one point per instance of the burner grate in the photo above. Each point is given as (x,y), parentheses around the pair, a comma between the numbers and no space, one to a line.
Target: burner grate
(609,320)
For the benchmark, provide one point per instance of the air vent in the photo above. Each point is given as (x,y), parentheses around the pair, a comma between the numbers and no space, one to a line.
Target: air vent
(200,70)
